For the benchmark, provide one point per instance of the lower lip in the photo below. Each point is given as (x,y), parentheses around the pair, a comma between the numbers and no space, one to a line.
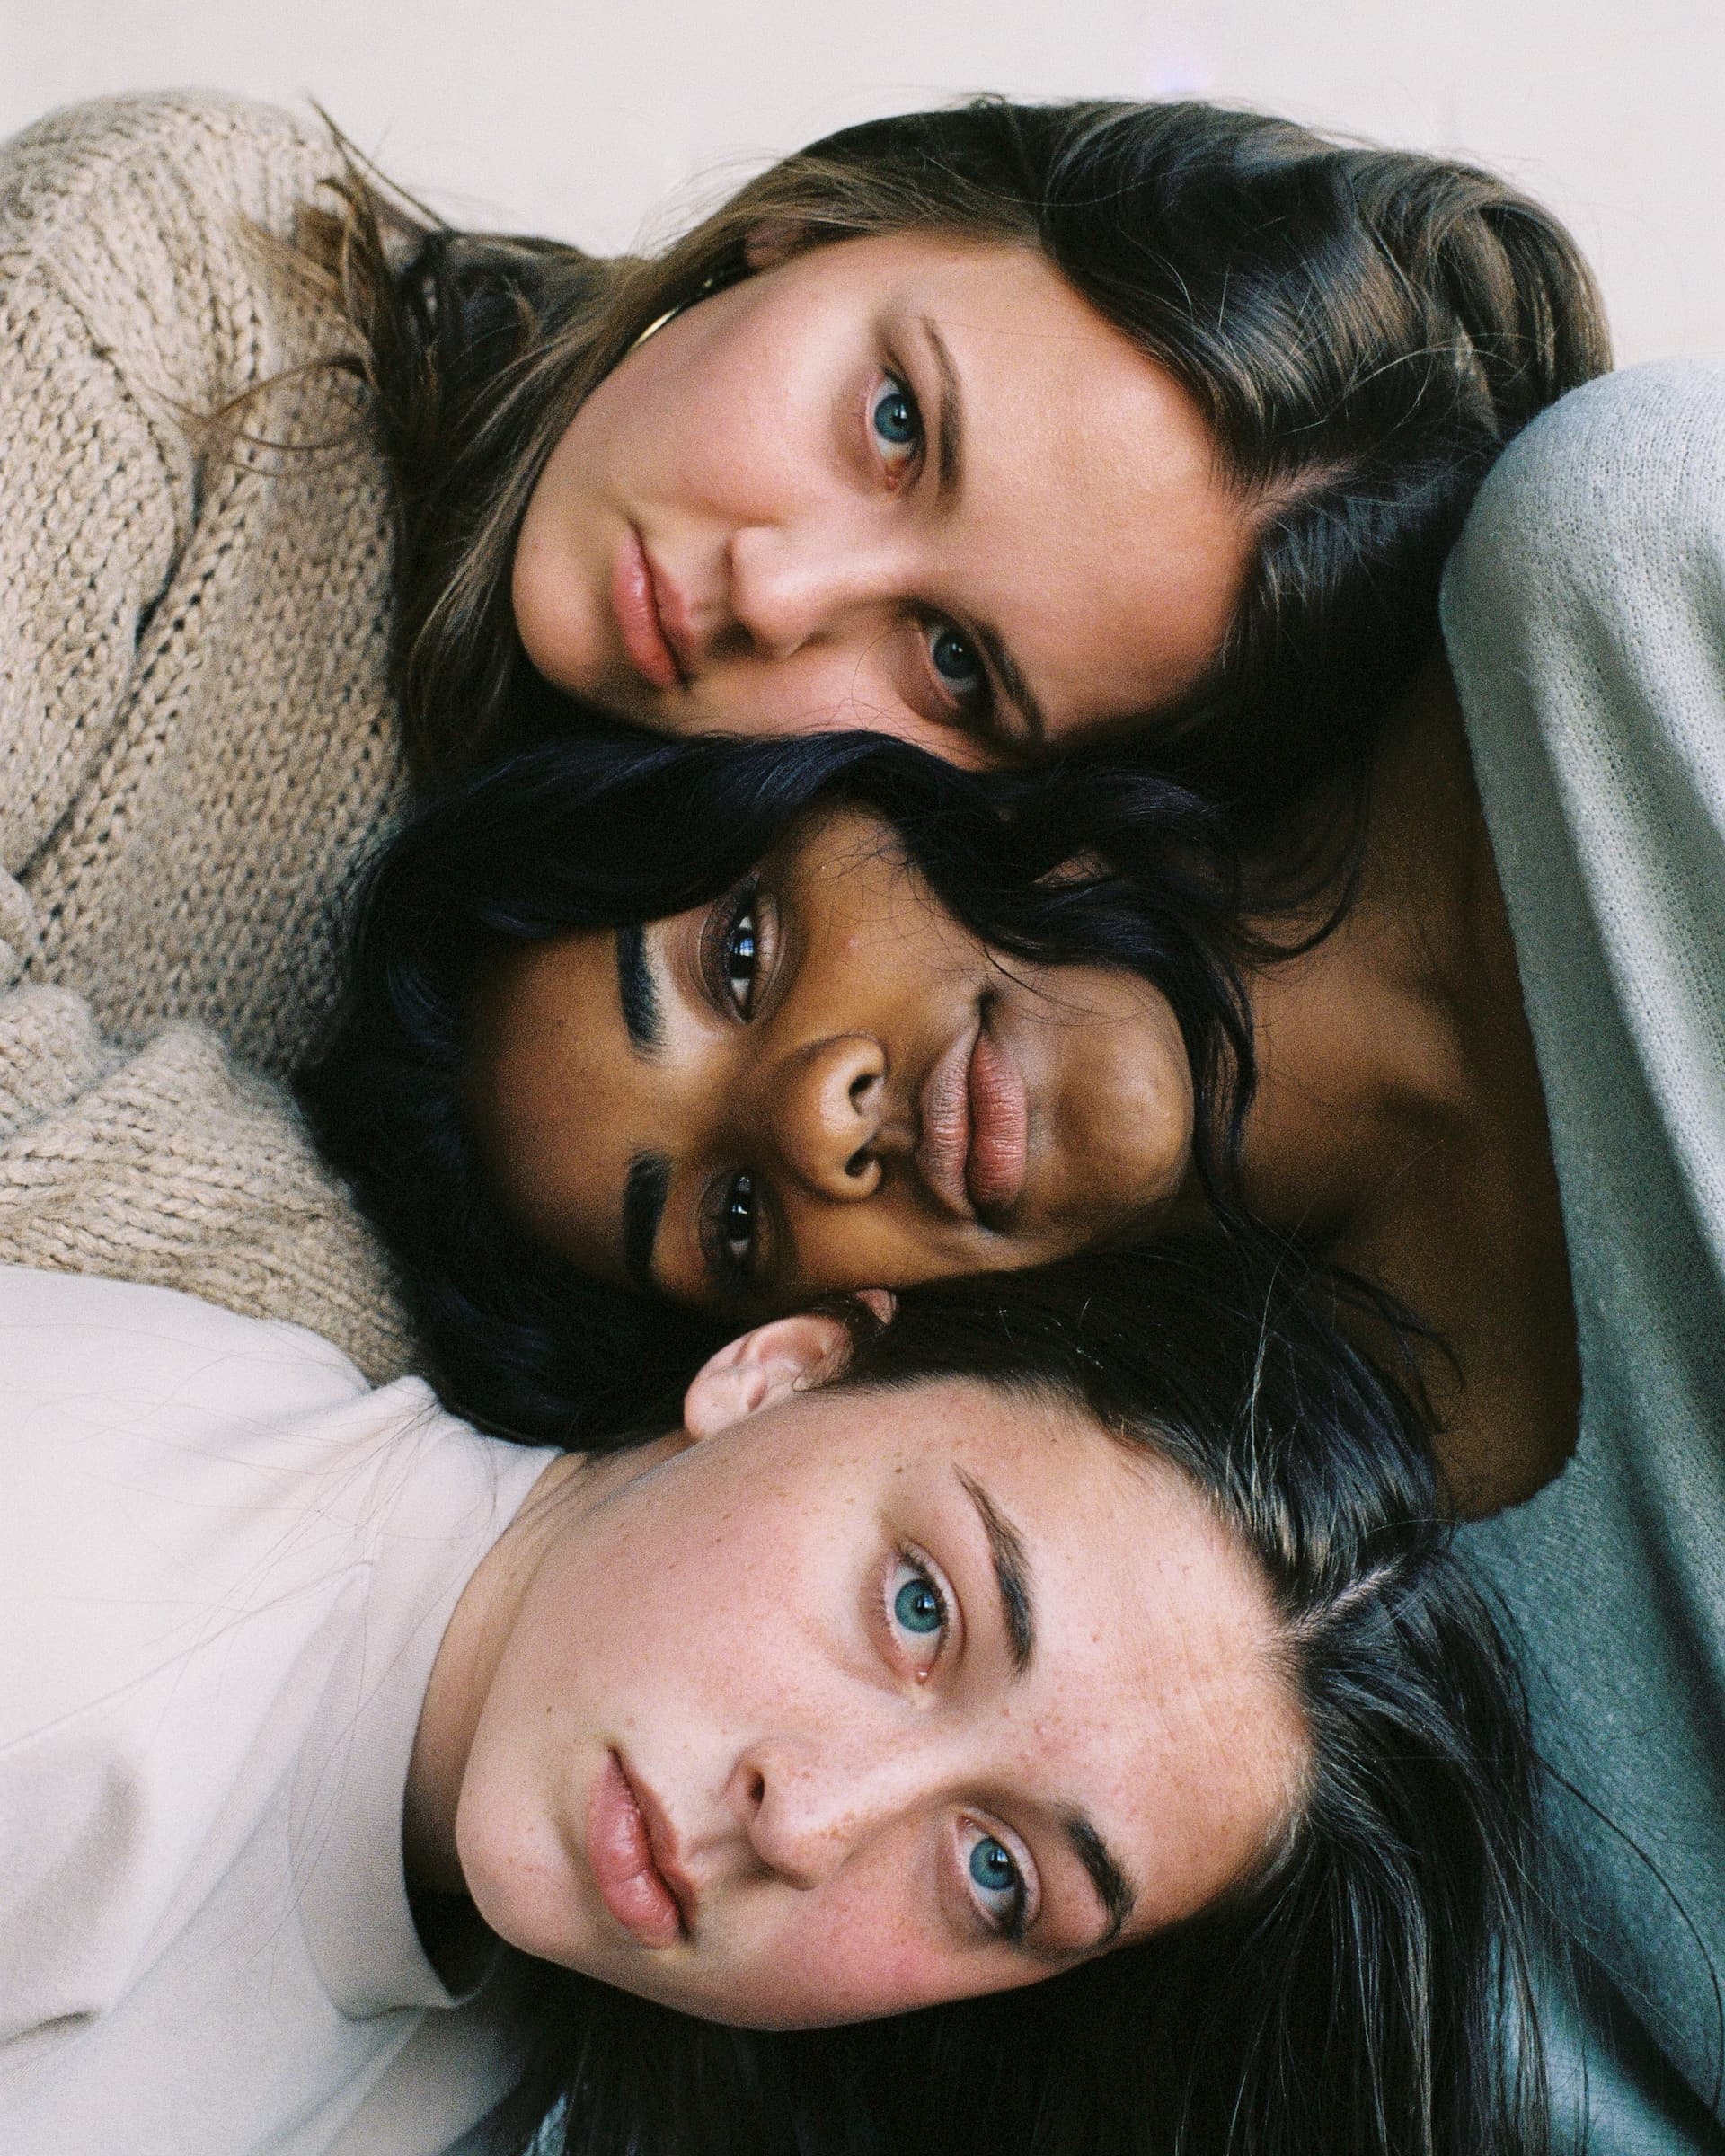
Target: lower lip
(621,1857)
(995,1167)
(636,608)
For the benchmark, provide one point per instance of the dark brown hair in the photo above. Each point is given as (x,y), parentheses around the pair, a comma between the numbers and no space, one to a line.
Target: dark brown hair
(1364,329)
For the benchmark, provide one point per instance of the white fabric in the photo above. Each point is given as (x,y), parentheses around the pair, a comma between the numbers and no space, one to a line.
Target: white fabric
(226,1566)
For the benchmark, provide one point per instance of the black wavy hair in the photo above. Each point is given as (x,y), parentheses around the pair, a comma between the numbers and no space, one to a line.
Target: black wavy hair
(1370,1992)
(593,830)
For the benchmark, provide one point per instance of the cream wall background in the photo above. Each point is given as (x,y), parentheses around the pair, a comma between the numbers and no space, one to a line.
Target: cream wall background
(581,119)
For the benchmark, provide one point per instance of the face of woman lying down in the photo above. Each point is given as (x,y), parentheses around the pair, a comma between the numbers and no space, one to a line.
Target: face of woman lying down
(870,1700)
(820,1081)
(910,485)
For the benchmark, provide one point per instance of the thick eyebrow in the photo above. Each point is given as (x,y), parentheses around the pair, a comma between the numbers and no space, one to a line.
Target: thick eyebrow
(1012,1573)
(1113,1888)
(949,422)
(637,992)
(949,459)
(643,1206)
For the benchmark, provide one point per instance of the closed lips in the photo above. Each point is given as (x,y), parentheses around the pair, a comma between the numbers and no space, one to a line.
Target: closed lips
(621,1856)
(634,601)
(974,1145)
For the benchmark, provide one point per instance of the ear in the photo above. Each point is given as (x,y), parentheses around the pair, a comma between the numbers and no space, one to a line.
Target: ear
(761,1368)
(774,240)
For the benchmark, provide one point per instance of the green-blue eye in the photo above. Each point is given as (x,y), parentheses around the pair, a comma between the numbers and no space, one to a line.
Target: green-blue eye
(894,416)
(992,1867)
(999,1884)
(918,1605)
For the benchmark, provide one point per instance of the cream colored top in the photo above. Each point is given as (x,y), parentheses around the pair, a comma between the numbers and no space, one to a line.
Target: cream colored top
(226,1566)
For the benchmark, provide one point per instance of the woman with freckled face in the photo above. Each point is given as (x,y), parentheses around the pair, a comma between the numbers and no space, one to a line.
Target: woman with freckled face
(984,1645)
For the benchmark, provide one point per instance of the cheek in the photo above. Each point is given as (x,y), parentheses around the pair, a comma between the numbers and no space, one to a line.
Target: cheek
(864,1948)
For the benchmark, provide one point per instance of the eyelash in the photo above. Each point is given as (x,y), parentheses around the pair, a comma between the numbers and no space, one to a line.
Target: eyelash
(977,703)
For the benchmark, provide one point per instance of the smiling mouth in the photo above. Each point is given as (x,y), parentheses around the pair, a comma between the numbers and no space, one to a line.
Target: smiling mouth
(634,601)
(974,1145)
(628,1849)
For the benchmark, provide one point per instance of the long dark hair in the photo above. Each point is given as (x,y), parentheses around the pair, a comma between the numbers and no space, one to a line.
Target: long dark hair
(599,830)
(1370,1992)
(1363,329)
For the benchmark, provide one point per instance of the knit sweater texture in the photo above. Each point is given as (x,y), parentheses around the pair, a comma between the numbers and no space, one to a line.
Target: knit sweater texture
(194,625)
(197,737)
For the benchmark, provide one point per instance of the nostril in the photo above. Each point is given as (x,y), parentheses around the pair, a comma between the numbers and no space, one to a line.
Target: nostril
(858,1163)
(861,1086)
(756,1790)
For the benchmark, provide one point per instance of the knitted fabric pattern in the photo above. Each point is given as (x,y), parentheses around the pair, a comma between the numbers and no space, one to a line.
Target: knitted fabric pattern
(198,737)
(171,1167)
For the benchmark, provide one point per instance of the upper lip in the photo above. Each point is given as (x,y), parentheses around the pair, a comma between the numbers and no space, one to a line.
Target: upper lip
(677,624)
(942,1149)
(661,1839)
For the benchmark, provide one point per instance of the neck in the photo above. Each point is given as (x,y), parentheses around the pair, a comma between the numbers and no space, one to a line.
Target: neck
(1400,1120)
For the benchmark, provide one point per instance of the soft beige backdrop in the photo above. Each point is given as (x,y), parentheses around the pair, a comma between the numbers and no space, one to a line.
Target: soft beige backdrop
(581,119)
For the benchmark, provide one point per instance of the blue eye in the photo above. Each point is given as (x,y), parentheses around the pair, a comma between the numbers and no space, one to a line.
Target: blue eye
(999,1884)
(992,1867)
(918,1605)
(954,661)
(898,424)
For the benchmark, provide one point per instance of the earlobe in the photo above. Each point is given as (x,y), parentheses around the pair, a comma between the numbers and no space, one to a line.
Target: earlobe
(759,1369)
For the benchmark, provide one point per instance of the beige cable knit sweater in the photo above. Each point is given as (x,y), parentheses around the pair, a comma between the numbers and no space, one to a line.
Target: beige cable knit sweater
(196,732)
(197,737)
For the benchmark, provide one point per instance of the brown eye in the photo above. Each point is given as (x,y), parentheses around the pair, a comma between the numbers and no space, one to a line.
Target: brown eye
(737,1221)
(738,959)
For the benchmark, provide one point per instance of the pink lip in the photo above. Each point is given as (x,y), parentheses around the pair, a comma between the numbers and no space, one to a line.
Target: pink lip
(628,1849)
(974,1145)
(635,602)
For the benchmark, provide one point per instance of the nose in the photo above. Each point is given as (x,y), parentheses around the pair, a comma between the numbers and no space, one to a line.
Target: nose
(806,1810)
(798,584)
(823,1109)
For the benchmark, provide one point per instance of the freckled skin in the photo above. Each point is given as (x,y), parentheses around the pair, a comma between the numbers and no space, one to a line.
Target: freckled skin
(861,971)
(719,1613)
(1092,530)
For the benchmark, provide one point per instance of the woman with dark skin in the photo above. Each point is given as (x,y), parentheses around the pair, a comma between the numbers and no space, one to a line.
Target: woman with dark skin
(820,1079)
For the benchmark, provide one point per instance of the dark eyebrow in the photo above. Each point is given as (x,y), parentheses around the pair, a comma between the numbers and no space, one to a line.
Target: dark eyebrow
(949,426)
(636,992)
(1113,1888)
(643,1205)
(1012,1573)
(948,458)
